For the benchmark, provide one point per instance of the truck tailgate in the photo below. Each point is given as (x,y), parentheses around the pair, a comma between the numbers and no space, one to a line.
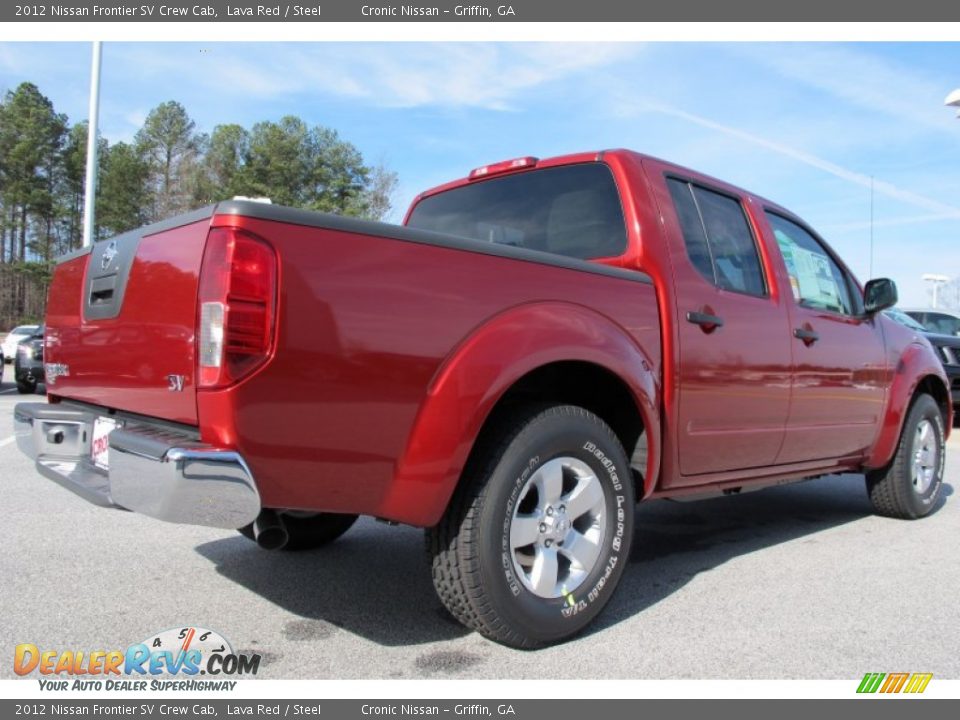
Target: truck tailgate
(121,321)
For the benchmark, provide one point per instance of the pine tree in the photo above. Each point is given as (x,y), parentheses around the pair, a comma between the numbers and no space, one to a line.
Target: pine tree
(171,146)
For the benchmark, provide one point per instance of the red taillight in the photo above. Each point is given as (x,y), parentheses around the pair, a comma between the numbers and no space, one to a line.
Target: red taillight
(238,287)
(502,167)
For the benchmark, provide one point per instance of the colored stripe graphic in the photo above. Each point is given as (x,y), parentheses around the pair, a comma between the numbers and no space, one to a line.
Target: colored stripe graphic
(870,682)
(894,682)
(918,682)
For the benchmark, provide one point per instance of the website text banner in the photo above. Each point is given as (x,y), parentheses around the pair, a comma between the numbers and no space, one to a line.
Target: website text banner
(496,11)
(516,710)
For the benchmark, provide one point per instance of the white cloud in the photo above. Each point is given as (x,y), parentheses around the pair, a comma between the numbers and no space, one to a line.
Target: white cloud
(861,78)
(470,75)
(880,187)
(136,118)
(406,75)
(889,222)
(9,60)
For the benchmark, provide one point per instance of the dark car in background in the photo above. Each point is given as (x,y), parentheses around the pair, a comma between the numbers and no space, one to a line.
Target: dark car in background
(947,347)
(941,322)
(28,362)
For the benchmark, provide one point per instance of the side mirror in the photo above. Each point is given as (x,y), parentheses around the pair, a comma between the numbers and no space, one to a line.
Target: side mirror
(879,294)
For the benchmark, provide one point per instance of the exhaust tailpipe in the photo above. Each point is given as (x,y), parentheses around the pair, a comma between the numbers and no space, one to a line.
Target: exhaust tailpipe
(269,530)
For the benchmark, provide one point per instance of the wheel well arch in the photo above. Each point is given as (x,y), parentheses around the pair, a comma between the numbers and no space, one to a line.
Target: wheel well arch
(590,386)
(933,386)
(553,352)
(919,372)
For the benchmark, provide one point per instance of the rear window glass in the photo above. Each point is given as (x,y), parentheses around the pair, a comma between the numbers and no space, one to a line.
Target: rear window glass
(572,210)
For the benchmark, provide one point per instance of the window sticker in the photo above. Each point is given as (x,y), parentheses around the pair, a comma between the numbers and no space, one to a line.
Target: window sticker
(811,278)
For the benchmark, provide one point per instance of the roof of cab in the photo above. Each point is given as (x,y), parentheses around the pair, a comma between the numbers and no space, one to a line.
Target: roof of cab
(598,156)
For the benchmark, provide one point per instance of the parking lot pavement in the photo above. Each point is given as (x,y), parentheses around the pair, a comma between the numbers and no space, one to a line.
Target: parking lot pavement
(797,581)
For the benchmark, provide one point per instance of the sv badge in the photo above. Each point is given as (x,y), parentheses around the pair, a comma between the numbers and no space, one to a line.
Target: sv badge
(175,383)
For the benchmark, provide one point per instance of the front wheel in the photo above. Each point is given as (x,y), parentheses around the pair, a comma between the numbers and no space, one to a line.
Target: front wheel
(909,487)
(539,532)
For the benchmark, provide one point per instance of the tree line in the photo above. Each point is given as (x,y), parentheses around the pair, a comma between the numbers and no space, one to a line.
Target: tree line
(169,167)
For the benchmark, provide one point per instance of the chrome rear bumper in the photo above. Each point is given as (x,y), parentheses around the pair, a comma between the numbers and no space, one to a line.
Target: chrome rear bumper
(156,472)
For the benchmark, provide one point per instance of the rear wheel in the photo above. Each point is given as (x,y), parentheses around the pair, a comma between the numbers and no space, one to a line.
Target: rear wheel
(309,530)
(538,534)
(910,485)
(26,387)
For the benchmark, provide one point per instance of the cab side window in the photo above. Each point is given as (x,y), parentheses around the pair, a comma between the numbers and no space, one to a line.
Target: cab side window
(718,239)
(815,278)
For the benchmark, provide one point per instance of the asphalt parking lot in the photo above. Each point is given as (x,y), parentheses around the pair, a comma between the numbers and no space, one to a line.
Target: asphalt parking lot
(798,581)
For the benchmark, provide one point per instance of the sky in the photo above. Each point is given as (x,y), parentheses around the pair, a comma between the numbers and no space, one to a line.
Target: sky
(811,126)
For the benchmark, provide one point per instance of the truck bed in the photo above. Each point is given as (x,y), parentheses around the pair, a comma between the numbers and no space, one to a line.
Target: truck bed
(367,316)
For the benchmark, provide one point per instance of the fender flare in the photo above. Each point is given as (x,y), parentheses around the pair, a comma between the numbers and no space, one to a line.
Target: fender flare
(482,368)
(917,363)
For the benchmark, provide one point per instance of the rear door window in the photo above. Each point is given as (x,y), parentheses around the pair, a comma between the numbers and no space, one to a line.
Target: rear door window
(573,210)
(718,238)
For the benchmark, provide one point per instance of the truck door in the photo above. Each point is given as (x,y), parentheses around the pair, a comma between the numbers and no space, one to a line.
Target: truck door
(839,361)
(732,330)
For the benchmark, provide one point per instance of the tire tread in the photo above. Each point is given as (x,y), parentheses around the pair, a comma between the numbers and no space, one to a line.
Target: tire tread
(454,562)
(889,494)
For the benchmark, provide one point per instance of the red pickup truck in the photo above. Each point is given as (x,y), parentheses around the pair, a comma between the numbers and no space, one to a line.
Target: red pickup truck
(541,345)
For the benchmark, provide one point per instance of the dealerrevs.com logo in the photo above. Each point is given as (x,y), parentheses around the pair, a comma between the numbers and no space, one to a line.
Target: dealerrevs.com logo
(188,658)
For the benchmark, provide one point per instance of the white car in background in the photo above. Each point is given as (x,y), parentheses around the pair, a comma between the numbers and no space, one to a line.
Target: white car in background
(13,339)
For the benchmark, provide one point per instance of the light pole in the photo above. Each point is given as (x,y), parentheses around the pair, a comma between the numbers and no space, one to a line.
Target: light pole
(936,281)
(90,186)
(952,100)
